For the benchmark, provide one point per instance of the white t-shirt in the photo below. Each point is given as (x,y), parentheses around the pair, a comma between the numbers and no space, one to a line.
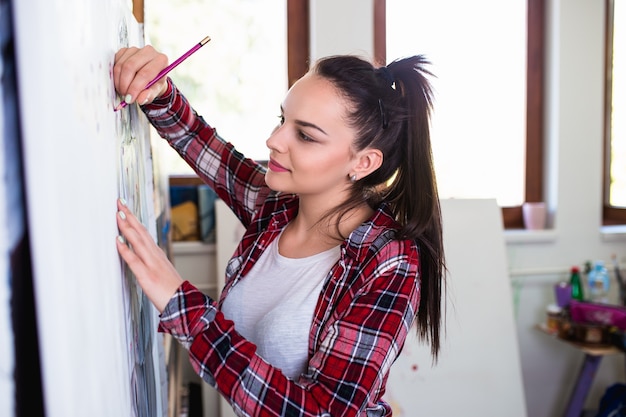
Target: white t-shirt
(273,306)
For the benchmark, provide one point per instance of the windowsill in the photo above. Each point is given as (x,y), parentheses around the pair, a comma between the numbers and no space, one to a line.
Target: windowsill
(613,233)
(529,236)
(608,233)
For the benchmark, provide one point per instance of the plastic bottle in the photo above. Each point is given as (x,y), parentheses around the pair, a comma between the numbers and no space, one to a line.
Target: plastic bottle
(598,282)
(576,284)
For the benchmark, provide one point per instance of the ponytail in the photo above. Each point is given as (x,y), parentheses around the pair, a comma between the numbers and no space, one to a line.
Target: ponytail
(391,112)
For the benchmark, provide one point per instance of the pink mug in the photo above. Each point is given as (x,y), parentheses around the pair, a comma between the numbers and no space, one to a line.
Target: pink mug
(534,215)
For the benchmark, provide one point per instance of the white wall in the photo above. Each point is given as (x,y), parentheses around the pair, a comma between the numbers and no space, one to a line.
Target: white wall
(341,27)
(574,120)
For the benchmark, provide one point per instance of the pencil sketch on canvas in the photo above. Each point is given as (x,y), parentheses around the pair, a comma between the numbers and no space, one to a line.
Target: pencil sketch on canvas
(136,186)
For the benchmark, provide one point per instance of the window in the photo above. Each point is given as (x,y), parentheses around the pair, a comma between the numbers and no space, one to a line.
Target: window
(615,114)
(514,136)
(239,79)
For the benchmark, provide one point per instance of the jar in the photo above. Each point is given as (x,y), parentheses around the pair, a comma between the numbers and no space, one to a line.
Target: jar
(553,314)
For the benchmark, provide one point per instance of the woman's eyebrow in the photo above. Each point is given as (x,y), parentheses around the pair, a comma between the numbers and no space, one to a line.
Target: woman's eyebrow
(305,124)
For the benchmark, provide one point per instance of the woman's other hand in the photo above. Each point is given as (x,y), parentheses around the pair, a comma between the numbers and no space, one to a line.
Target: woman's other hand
(154,272)
(134,68)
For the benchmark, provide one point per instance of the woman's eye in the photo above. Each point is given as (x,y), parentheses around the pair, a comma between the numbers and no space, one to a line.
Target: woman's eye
(304,137)
(301,135)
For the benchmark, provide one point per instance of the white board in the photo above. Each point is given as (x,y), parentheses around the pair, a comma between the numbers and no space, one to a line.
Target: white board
(478,372)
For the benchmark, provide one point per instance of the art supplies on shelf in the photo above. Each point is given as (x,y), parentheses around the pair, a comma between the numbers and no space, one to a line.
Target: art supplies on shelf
(192,210)
(588,323)
(586,317)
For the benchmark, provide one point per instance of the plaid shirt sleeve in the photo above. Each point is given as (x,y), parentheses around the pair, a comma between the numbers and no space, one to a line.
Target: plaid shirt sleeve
(360,339)
(238,181)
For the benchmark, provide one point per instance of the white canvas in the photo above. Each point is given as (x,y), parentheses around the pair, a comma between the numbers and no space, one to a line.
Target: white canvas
(97,334)
(478,372)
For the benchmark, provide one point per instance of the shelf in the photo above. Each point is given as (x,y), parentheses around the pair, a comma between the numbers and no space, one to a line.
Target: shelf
(192,248)
(592,349)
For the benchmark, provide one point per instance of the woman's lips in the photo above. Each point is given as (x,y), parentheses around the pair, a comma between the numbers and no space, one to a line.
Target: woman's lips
(276,167)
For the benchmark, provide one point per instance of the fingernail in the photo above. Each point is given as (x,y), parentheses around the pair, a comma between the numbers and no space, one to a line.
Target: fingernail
(123,201)
(122,215)
(128,98)
(120,239)
(145,100)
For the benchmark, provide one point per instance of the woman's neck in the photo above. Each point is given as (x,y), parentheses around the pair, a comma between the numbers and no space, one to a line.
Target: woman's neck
(312,232)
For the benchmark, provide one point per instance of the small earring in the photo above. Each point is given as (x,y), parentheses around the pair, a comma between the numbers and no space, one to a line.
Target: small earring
(353,178)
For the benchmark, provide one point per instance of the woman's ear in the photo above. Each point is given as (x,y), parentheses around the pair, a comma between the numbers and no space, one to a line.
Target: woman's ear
(367,161)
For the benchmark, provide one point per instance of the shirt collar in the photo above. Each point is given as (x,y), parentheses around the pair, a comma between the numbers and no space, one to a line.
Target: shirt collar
(377,230)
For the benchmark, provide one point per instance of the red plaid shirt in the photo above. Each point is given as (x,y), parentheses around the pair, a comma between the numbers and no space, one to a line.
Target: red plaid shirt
(364,312)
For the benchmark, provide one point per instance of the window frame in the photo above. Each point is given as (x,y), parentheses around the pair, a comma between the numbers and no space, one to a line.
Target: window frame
(611,215)
(534,178)
(298,39)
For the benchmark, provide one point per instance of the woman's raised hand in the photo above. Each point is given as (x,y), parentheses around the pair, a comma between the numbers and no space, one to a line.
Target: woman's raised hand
(134,68)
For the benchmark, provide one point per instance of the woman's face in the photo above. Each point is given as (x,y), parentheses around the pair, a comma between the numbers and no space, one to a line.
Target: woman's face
(310,150)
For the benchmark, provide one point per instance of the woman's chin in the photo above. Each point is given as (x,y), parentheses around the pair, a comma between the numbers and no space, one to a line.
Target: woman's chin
(273,182)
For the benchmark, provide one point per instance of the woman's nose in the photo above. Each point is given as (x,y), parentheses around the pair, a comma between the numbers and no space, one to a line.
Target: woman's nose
(276,140)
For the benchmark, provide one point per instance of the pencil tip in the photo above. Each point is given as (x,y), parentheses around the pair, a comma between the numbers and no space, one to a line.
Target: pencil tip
(119,106)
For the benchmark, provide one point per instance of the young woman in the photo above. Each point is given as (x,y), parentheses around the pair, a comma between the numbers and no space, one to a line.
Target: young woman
(342,253)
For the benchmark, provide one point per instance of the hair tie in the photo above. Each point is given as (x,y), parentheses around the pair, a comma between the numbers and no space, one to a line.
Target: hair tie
(384,71)
(388,77)
(383,113)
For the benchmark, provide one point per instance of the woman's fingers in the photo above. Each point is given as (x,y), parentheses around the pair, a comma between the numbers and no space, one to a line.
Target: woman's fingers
(123,72)
(132,260)
(134,68)
(154,272)
(135,234)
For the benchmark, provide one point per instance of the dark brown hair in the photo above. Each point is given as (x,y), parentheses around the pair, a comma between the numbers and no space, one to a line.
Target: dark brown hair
(390,109)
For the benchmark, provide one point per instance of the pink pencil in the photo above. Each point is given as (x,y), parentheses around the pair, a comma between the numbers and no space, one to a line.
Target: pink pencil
(170,67)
